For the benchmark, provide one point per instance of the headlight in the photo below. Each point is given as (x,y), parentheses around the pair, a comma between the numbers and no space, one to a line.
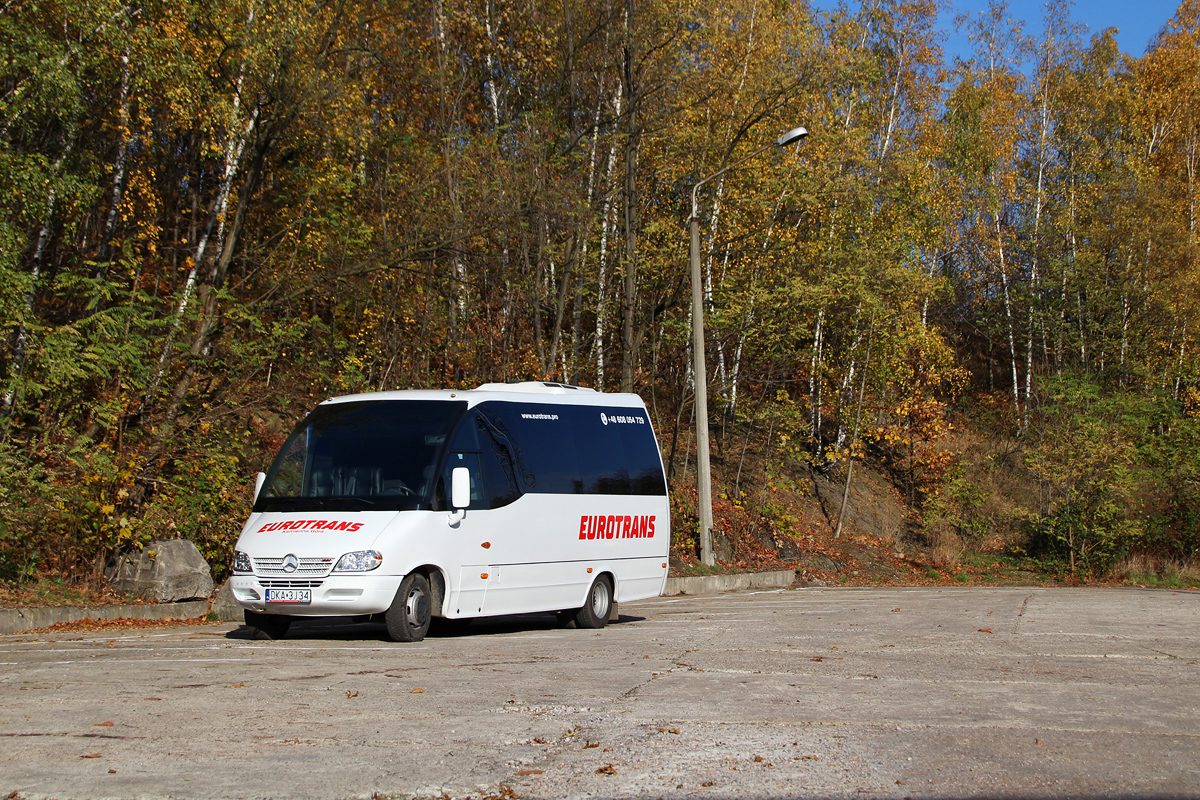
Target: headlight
(359,561)
(241,562)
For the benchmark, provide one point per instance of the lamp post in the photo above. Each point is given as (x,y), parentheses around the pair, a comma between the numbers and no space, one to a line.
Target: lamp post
(703,466)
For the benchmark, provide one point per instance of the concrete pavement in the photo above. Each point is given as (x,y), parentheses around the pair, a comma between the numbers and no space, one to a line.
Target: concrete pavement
(832,692)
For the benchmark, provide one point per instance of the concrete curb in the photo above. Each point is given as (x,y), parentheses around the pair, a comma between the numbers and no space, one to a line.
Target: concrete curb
(20,620)
(715,584)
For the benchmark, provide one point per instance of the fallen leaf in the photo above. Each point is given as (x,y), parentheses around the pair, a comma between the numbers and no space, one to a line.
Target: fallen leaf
(417,691)
(590,745)
(894,610)
(607,769)
(91,755)
(521,773)
(645,656)
(759,759)
(237,686)
(103,725)
(112,772)
(351,694)
(986,630)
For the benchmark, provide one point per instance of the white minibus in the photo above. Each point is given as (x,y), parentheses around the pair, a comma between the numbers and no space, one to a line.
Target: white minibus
(410,505)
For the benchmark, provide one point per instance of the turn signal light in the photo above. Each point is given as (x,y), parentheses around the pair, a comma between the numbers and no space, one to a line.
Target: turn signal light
(486,545)
(589,570)
(483,575)
(664,566)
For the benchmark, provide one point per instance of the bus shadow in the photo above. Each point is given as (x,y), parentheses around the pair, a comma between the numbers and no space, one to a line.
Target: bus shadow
(347,630)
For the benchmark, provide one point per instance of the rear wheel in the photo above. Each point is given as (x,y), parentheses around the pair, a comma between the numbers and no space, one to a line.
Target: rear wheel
(411,611)
(267,626)
(598,606)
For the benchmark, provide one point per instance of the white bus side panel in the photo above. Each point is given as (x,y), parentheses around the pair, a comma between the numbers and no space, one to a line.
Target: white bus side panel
(537,560)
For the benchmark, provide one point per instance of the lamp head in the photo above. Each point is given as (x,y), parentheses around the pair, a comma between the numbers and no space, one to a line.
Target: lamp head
(791,137)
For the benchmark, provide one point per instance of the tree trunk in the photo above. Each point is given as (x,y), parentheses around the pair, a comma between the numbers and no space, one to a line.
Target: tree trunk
(206,330)
(1012,341)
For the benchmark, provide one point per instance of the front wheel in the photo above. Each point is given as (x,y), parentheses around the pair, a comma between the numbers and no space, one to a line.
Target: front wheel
(411,611)
(598,606)
(267,626)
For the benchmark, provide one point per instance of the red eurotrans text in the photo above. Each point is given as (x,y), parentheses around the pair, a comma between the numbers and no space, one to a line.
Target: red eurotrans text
(310,524)
(616,527)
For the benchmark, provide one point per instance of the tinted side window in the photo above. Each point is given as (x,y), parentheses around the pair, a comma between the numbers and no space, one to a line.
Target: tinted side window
(621,454)
(543,449)
(603,462)
(563,449)
(488,453)
(645,464)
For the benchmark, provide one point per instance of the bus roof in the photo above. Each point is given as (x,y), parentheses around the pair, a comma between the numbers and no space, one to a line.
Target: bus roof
(525,391)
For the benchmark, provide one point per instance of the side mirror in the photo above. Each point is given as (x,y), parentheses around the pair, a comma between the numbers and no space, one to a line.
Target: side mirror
(259,480)
(460,488)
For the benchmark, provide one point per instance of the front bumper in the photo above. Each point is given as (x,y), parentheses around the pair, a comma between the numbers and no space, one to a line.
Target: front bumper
(335,595)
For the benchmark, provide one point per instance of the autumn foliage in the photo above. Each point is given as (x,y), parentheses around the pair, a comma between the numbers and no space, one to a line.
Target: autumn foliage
(215,213)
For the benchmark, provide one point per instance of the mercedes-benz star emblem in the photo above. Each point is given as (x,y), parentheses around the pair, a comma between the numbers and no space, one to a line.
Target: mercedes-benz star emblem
(290,563)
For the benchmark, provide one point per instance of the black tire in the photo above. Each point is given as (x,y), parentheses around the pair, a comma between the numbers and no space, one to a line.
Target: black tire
(598,605)
(267,626)
(411,612)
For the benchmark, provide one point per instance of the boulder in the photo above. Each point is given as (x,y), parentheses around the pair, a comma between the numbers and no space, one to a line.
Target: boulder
(225,606)
(166,571)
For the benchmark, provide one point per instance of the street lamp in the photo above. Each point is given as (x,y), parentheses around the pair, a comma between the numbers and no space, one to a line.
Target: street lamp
(703,467)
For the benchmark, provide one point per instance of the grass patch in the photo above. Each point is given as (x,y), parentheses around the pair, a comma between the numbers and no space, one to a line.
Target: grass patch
(1158,573)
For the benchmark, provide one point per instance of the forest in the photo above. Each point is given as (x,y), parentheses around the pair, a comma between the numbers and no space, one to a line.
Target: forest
(978,276)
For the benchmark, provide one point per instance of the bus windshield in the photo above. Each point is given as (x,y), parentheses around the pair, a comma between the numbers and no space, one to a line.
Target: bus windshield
(377,455)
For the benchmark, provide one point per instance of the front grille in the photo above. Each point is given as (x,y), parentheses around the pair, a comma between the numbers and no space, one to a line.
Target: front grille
(269,583)
(308,566)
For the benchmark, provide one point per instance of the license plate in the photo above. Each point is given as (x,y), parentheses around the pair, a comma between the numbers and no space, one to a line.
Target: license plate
(300,596)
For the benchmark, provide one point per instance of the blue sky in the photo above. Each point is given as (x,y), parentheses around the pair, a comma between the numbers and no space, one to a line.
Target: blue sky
(1138,21)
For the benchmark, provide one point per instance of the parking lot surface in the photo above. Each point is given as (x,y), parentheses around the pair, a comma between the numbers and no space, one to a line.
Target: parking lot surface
(827,692)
